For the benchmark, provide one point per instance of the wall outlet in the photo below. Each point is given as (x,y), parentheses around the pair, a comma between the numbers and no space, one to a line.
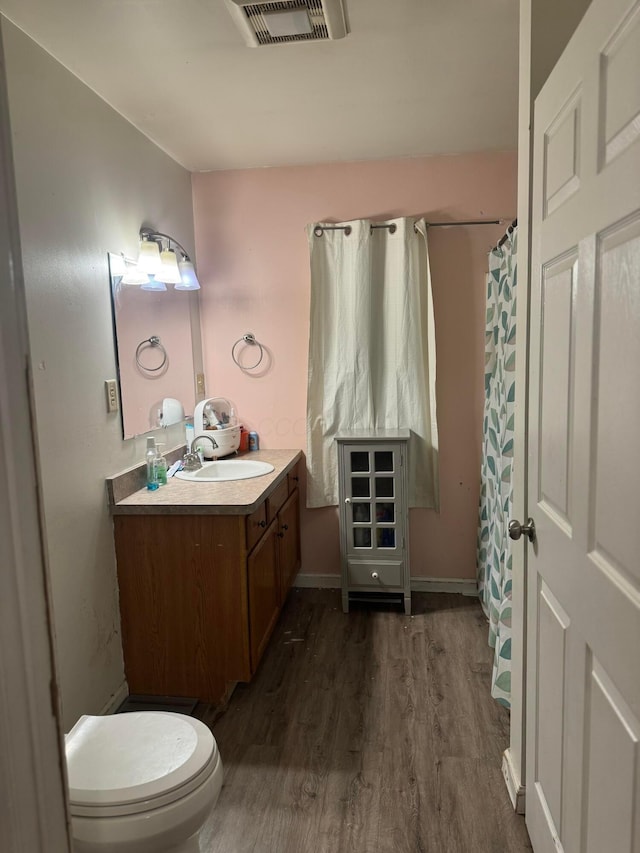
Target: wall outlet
(200,384)
(111,387)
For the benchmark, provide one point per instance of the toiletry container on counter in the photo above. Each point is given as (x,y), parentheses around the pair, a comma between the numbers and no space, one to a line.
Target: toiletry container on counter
(216,417)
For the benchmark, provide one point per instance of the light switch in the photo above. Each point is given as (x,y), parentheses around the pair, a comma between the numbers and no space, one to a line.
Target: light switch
(111,388)
(200,384)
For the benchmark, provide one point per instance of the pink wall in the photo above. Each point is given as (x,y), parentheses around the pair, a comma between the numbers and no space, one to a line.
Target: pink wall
(253,265)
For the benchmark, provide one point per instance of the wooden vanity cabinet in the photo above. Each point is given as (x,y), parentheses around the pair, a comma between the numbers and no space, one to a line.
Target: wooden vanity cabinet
(200,594)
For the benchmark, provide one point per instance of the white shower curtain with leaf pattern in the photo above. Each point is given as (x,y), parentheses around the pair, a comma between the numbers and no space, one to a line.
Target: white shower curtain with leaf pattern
(496,488)
(372,357)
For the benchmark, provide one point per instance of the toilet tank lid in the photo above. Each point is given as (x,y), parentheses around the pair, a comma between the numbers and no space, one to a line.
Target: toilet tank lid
(126,758)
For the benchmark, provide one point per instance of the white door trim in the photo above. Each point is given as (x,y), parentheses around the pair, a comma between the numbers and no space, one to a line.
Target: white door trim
(33,811)
(513,761)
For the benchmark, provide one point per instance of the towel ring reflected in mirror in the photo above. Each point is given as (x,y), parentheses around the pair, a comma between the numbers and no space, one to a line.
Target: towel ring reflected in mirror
(249,339)
(154,343)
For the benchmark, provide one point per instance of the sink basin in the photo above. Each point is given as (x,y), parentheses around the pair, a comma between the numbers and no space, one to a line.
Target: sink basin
(226,469)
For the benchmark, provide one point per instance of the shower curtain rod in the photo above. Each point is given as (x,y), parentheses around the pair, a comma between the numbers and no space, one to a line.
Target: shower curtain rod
(505,236)
(320,229)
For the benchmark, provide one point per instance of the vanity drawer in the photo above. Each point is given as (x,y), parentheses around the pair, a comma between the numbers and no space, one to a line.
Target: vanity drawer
(256,525)
(276,499)
(376,575)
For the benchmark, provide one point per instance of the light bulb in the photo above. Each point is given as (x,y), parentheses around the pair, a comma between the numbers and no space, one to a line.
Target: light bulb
(168,272)
(153,284)
(189,280)
(134,276)
(149,257)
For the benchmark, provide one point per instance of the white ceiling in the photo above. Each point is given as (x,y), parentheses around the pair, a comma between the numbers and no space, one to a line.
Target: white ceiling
(413,77)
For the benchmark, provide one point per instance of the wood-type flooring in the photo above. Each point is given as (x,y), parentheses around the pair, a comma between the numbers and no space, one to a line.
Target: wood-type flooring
(367,732)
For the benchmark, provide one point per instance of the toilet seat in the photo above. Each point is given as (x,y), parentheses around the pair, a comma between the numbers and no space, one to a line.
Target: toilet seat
(130,763)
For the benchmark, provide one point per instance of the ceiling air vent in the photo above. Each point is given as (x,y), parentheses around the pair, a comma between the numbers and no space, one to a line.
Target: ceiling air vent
(288,21)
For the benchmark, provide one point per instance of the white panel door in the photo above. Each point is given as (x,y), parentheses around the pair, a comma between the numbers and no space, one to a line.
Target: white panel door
(583,636)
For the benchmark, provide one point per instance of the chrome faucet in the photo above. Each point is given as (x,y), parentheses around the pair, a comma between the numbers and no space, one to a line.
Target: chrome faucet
(191,460)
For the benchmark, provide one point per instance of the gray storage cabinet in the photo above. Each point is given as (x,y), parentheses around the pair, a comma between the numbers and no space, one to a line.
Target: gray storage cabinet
(374,531)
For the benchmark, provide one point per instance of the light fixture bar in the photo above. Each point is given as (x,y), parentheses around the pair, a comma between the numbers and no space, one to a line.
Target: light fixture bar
(181,274)
(150,234)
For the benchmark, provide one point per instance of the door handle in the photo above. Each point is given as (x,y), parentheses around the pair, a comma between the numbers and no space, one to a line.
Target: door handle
(516,530)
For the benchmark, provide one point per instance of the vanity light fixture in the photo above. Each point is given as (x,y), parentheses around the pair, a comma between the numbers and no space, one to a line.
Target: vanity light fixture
(159,263)
(124,270)
(149,256)
(131,274)
(188,278)
(134,276)
(152,283)
(168,272)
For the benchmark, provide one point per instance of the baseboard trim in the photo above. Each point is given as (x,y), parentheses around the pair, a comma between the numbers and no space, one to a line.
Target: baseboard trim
(514,786)
(464,586)
(308,581)
(116,700)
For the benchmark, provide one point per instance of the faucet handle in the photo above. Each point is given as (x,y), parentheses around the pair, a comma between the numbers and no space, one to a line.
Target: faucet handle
(191,462)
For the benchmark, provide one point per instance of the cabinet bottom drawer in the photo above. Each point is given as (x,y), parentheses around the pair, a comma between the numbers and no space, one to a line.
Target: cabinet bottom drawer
(378,575)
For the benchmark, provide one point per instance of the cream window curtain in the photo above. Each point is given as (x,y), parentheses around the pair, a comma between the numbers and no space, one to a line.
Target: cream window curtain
(372,362)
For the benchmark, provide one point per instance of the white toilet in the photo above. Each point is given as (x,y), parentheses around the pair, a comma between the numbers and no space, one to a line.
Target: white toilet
(143,782)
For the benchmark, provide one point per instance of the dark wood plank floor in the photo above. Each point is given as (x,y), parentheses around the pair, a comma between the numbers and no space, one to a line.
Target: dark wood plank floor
(371,732)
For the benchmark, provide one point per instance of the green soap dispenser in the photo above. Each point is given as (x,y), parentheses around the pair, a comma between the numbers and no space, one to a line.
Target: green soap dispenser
(152,480)
(160,467)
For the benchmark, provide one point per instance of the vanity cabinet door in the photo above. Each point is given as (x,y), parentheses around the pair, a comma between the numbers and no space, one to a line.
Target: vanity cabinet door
(182,604)
(264,593)
(289,543)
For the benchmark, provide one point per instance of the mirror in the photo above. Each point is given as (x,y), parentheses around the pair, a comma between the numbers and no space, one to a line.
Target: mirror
(154,351)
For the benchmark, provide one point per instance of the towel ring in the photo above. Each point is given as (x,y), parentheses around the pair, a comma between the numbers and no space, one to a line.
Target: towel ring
(251,340)
(154,342)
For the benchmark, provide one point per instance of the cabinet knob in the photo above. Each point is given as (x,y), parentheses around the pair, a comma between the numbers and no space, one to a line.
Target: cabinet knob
(375,576)
(262,524)
(347,500)
(285,526)
(281,535)
(296,478)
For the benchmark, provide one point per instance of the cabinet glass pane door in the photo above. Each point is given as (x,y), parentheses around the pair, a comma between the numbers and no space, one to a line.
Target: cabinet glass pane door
(360,487)
(374,559)
(384,460)
(372,503)
(361,511)
(359,461)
